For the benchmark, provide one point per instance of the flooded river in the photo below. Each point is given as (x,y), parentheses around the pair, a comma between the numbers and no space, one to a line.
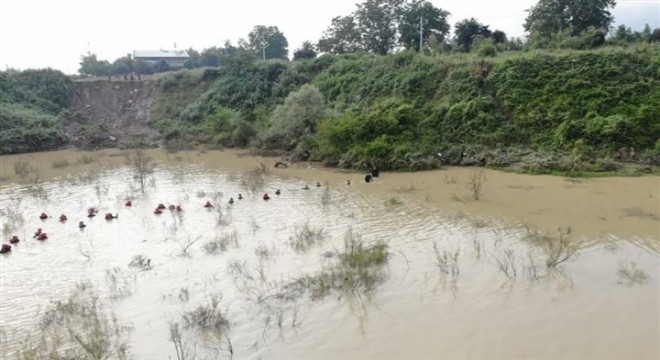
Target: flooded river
(539,267)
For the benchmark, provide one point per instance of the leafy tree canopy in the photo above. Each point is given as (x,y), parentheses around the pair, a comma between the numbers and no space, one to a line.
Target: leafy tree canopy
(143,67)
(381,26)
(268,41)
(44,89)
(194,59)
(343,36)
(210,57)
(123,65)
(499,37)
(434,22)
(90,65)
(467,30)
(550,17)
(377,23)
(306,51)
(299,116)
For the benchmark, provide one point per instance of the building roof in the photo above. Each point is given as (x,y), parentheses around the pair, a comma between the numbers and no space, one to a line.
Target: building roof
(173,54)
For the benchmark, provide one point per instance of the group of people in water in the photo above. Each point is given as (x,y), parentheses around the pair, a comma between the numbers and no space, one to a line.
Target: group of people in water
(41,235)
(92,212)
(159,209)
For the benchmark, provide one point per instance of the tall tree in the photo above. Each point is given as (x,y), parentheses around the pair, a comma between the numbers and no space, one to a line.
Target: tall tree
(143,67)
(228,48)
(377,22)
(549,17)
(194,59)
(90,65)
(306,51)
(433,19)
(122,65)
(210,57)
(269,42)
(499,37)
(162,66)
(646,32)
(655,35)
(467,29)
(343,36)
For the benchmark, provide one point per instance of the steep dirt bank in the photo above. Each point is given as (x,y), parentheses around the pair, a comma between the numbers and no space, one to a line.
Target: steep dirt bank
(111,113)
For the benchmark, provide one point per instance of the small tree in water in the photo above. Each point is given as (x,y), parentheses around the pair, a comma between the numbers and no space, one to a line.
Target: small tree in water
(142,167)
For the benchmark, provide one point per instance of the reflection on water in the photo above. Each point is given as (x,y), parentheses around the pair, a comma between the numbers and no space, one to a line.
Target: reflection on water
(272,279)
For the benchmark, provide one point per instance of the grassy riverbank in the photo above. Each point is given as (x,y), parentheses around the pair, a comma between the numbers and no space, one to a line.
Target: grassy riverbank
(564,112)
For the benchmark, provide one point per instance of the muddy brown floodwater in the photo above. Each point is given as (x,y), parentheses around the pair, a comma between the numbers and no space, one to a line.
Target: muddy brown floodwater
(539,267)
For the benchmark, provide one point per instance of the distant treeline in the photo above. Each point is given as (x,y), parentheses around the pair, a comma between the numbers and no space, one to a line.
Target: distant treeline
(383,27)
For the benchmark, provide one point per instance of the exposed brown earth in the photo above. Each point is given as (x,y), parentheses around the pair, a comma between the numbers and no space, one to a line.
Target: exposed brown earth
(111,113)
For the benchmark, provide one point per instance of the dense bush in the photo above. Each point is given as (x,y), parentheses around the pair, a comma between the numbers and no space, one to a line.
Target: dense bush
(23,129)
(607,98)
(394,111)
(297,118)
(401,110)
(30,102)
(46,90)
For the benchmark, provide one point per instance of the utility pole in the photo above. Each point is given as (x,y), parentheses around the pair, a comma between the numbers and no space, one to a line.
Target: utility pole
(421,32)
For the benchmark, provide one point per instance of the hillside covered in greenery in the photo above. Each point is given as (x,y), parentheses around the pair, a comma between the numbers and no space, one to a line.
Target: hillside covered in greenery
(557,110)
(31,103)
(566,108)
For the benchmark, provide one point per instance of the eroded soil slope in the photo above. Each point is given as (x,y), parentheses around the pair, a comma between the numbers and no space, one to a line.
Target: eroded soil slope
(111,113)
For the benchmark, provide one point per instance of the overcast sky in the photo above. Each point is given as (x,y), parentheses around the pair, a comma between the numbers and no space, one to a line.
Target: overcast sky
(52,33)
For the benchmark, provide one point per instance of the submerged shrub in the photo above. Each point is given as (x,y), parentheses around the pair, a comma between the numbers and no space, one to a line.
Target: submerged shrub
(207,317)
(306,236)
(357,270)
(80,327)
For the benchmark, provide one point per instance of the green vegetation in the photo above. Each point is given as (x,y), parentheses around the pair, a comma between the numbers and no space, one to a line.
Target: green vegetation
(306,236)
(560,103)
(206,324)
(563,111)
(555,111)
(379,26)
(269,42)
(80,327)
(557,249)
(358,269)
(550,17)
(558,111)
(32,103)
